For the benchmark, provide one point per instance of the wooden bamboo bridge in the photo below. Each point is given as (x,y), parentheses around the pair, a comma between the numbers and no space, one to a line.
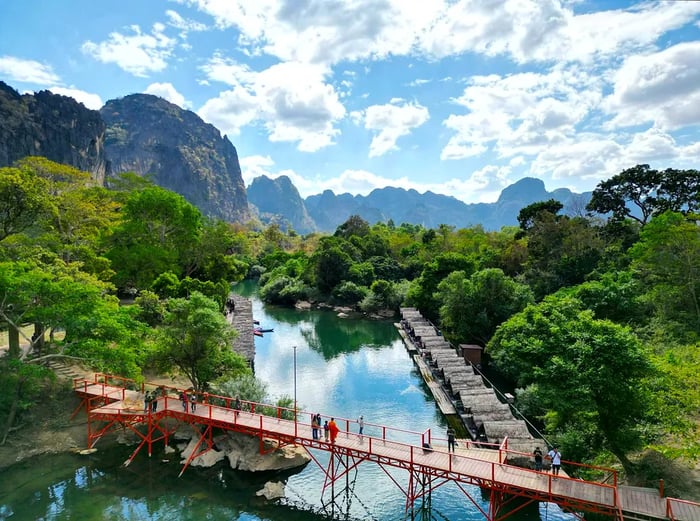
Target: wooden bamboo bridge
(112,402)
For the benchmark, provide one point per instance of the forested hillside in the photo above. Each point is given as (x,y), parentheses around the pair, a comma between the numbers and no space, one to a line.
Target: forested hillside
(595,322)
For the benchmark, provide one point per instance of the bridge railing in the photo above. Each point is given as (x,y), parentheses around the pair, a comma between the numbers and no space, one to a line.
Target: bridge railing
(607,473)
(682,509)
(382,445)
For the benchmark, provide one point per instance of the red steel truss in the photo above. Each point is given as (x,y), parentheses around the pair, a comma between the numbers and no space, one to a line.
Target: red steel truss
(112,401)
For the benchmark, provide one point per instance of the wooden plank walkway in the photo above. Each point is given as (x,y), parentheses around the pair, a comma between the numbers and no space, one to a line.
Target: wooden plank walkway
(241,318)
(394,447)
(441,399)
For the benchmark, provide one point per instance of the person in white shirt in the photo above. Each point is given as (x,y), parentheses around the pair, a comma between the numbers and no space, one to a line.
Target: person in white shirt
(555,456)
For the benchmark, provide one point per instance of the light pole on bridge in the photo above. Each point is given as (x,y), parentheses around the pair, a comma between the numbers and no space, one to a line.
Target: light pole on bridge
(295,390)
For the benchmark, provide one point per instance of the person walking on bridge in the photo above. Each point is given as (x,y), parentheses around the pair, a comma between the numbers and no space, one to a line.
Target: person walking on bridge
(555,456)
(333,429)
(450,439)
(537,453)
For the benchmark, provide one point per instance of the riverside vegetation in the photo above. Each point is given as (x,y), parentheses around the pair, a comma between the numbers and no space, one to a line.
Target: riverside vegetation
(594,318)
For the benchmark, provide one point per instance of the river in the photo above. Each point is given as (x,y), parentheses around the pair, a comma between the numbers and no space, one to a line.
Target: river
(344,367)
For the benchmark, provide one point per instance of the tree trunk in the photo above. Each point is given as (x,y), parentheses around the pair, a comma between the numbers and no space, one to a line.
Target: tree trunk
(38,339)
(626,463)
(13,341)
(13,411)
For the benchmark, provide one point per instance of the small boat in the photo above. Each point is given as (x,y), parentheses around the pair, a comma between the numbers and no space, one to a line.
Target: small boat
(264,330)
(257,332)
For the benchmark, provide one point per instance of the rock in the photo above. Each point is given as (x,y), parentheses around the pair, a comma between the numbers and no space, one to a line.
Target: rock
(208,459)
(272,490)
(169,449)
(303,305)
(243,453)
(342,315)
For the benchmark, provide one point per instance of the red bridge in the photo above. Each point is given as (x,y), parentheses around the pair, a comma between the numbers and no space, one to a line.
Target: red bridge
(112,401)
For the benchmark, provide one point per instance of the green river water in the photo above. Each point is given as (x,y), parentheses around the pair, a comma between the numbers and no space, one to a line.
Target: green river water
(345,367)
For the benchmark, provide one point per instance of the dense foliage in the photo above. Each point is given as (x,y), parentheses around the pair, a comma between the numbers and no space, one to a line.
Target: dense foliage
(593,319)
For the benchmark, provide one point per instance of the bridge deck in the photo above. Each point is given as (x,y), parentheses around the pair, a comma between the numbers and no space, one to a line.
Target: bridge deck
(470,464)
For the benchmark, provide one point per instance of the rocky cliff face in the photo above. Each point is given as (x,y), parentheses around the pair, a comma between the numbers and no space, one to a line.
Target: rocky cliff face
(277,197)
(56,127)
(177,150)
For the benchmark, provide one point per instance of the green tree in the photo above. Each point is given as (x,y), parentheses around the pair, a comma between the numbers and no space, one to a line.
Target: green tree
(667,261)
(636,186)
(679,191)
(590,374)
(473,307)
(160,232)
(532,213)
(196,339)
(421,293)
(355,225)
(22,200)
(331,265)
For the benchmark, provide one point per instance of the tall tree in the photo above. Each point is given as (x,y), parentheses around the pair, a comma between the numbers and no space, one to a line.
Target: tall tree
(533,212)
(421,293)
(196,339)
(22,200)
(667,260)
(473,307)
(160,232)
(589,373)
(637,186)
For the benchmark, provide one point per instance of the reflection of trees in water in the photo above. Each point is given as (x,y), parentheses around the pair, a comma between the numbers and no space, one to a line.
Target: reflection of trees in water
(332,336)
(98,487)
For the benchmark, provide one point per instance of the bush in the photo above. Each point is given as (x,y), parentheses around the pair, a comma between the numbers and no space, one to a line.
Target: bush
(349,293)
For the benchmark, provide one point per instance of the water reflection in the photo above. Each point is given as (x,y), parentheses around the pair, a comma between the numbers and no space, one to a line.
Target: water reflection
(345,367)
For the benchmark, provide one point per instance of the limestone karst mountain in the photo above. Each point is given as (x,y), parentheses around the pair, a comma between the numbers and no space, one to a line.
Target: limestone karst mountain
(50,125)
(278,200)
(177,150)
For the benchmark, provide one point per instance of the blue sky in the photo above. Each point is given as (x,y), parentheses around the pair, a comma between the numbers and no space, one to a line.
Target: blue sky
(460,97)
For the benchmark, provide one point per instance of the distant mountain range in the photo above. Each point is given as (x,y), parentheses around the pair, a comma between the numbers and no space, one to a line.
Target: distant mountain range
(177,150)
(279,199)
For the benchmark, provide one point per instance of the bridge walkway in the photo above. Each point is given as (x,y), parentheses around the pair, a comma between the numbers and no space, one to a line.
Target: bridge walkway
(473,464)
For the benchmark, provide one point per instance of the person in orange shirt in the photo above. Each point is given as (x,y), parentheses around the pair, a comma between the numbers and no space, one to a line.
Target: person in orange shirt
(333,428)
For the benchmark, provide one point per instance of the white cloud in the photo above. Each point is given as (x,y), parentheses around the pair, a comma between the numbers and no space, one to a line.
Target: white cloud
(331,31)
(137,53)
(167,91)
(390,122)
(91,101)
(521,113)
(663,88)
(27,71)
(256,166)
(319,31)
(292,100)
(185,25)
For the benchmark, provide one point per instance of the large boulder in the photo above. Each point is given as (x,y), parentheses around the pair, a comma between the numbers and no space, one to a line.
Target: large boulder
(243,453)
(208,459)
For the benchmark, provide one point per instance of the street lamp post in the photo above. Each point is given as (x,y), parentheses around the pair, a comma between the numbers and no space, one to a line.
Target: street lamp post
(295,390)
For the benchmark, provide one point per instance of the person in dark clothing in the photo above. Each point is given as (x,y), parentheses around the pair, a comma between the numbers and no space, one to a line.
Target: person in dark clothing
(537,453)
(450,439)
